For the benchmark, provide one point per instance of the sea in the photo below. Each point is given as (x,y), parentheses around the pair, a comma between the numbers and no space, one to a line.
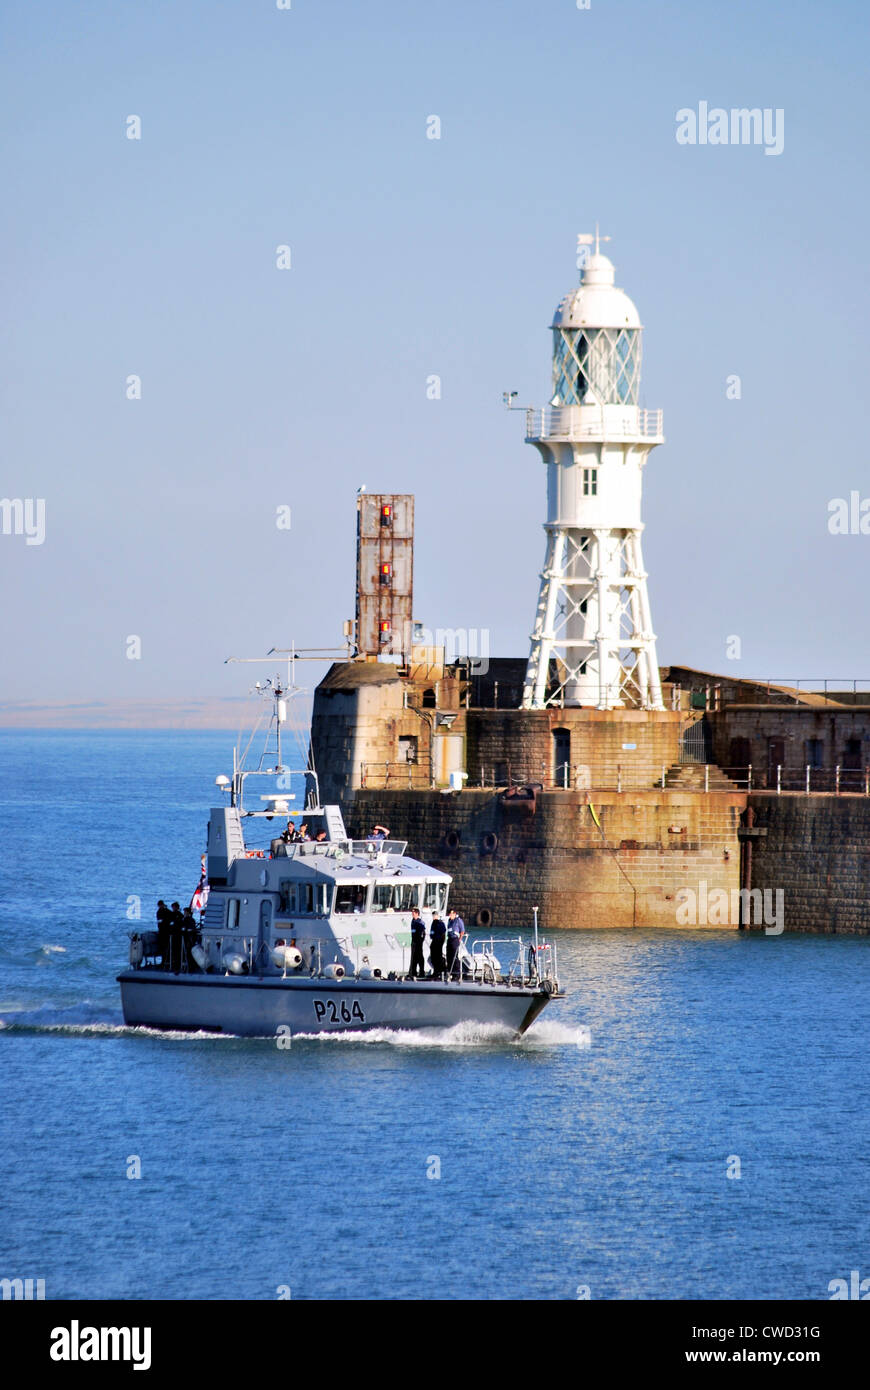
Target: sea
(690,1122)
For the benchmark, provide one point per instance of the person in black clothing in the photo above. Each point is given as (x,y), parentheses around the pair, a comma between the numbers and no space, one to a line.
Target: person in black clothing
(164,916)
(189,936)
(176,929)
(437,934)
(418,936)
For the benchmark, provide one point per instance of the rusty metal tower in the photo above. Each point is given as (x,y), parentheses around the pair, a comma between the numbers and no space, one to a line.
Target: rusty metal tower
(384,575)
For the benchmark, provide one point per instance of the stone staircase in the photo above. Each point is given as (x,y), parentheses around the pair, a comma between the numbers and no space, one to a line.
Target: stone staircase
(690,777)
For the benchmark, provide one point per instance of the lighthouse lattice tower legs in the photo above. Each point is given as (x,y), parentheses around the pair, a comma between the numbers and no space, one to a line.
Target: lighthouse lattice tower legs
(593,642)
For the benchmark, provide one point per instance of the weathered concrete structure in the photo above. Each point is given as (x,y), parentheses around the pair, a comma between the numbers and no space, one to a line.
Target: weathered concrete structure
(585,859)
(631,808)
(817,850)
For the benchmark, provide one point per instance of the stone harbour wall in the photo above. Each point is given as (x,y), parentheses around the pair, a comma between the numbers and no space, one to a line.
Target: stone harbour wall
(626,872)
(604,746)
(817,850)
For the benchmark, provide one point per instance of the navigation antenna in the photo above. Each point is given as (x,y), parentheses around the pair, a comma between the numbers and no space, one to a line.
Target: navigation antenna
(274,688)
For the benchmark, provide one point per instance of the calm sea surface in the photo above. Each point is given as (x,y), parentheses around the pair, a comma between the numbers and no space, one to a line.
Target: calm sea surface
(594,1152)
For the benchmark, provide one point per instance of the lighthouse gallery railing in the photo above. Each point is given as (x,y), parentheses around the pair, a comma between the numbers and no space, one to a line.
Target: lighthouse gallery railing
(565,421)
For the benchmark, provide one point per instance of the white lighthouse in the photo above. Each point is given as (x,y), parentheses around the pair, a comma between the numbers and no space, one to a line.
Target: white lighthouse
(593,608)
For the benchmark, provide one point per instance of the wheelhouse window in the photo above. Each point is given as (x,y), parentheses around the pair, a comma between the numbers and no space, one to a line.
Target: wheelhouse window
(434,897)
(395,897)
(307,899)
(350,897)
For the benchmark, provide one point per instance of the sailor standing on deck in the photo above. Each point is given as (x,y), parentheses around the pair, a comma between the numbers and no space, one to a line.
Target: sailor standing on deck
(418,937)
(189,937)
(437,935)
(164,917)
(176,929)
(455,933)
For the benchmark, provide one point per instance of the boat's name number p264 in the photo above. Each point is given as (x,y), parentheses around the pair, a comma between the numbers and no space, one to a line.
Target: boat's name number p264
(338,1012)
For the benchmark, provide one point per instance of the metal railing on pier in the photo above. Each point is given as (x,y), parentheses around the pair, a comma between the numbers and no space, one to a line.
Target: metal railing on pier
(806,779)
(396,776)
(749,690)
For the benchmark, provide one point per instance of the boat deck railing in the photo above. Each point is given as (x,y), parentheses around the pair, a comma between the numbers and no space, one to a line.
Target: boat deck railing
(336,849)
(529,963)
(510,961)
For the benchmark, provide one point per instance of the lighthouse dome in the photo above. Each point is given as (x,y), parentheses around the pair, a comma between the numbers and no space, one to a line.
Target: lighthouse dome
(596,302)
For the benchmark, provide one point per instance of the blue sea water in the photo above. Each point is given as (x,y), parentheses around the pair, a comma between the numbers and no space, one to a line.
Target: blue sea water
(593,1152)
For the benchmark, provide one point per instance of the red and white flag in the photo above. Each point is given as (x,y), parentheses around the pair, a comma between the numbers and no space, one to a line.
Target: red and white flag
(200,896)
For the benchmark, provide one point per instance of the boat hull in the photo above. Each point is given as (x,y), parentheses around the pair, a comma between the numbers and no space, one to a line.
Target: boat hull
(269,1006)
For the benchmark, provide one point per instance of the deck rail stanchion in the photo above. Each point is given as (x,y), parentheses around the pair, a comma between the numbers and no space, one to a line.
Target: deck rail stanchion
(779,779)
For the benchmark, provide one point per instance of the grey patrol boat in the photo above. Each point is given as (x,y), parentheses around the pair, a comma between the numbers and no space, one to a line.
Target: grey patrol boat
(314,936)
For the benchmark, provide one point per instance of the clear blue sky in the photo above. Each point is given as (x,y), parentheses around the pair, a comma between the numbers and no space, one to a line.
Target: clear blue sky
(411,256)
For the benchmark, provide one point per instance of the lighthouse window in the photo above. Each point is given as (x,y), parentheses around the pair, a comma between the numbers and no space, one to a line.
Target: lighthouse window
(590,482)
(596,366)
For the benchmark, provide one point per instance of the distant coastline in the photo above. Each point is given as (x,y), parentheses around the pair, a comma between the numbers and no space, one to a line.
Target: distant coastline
(231,713)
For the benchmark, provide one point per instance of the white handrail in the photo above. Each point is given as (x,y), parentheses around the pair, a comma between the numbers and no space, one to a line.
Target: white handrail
(566,421)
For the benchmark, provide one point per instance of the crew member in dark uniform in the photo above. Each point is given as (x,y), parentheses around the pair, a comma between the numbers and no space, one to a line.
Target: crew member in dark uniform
(418,937)
(455,933)
(437,935)
(164,916)
(190,936)
(176,929)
